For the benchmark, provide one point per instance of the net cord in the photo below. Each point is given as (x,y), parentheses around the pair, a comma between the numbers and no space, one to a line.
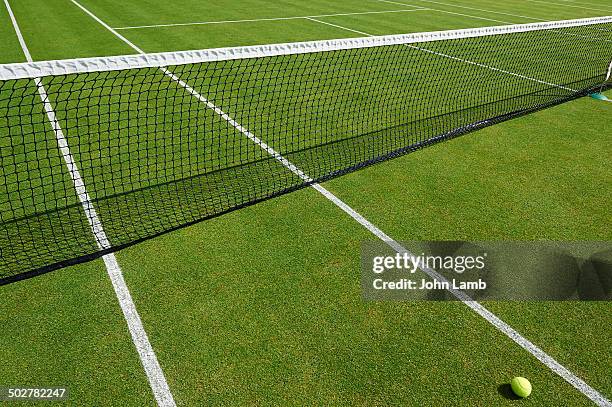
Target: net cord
(157,60)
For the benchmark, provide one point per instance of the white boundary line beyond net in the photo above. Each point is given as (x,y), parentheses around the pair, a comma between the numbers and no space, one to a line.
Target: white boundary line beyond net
(462,60)
(503,327)
(568,5)
(153,370)
(415,8)
(463,7)
(255,20)
(480,17)
(582,3)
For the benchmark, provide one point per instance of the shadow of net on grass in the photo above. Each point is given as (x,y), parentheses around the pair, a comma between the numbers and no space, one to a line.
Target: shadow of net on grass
(154,158)
(60,237)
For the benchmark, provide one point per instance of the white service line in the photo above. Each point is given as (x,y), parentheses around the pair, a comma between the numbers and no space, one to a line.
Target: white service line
(139,336)
(108,27)
(455,58)
(470,16)
(568,5)
(542,356)
(136,27)
(337,26)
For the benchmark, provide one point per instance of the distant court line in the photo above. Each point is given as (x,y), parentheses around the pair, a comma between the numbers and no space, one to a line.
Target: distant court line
(136,27)
(467,8)
(452,12)
(481,9)
(569,5)
(485,18)
(581,2)
(454,58)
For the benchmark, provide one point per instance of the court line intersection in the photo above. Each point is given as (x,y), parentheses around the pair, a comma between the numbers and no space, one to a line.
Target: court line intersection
(503,327)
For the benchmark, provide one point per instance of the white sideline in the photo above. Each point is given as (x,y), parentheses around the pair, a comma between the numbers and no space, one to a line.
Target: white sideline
(542,356)
(503,327)
(134,323)
(254,20)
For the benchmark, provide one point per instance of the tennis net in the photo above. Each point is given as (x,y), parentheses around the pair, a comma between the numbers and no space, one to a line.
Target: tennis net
(97,154)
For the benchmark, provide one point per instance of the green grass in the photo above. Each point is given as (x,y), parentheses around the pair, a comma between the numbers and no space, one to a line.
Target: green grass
(155,12)
(513,11)
(66,329)
(528,173)
(53,35)
(263,306)
(9,50)
(280,320)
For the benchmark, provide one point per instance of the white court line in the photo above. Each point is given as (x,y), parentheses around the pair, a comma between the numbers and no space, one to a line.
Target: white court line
(136,27)
(490,19)
(465,7)
(581,2)
(503,327)
(492,68)
(568,5)
(474,305)
(139,336)
(451,12)
(479,9)
(468,15)
(108,27)
(510,332)
(538,353)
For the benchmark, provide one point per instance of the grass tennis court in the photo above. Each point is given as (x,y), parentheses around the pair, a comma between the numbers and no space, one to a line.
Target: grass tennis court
(263,306)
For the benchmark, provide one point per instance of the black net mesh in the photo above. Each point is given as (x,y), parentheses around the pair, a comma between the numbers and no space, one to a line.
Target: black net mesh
(155,155)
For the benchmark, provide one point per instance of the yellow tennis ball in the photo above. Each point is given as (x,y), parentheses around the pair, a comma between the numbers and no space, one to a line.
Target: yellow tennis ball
(520,386)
